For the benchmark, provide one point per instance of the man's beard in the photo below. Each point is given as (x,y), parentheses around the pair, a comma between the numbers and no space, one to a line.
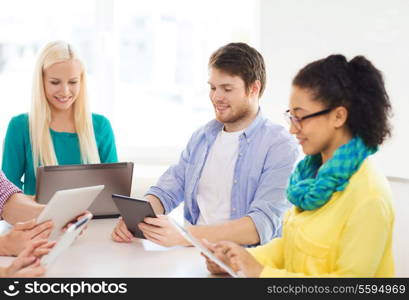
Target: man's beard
(233,118)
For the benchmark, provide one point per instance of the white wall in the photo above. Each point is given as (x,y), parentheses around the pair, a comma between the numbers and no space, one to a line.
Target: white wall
(296,32)
(400,190)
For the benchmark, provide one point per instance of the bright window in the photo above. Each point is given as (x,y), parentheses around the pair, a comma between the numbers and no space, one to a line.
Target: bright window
(146,61)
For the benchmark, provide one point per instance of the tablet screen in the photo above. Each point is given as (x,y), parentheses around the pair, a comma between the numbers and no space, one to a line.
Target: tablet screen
(133,212)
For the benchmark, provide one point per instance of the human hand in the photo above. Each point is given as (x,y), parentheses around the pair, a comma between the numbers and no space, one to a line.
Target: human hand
(212,267)
(76,219)
(23,233)
(27,263)
(240,259)
(160,231)
(121,234)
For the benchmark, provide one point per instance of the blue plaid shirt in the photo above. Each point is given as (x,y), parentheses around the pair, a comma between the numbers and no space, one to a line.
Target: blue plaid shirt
(267,155)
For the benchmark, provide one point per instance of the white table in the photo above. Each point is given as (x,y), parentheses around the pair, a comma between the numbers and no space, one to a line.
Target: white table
(95,255)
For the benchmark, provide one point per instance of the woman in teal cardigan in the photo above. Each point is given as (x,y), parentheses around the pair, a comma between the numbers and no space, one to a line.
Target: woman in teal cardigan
(59,129)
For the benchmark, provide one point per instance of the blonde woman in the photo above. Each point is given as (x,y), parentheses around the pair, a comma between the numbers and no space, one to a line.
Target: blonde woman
(59,129)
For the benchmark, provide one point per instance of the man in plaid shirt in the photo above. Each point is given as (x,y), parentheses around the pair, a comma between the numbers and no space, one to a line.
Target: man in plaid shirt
(19,210)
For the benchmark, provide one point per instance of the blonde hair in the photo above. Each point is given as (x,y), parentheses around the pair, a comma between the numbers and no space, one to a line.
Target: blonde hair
(40,114)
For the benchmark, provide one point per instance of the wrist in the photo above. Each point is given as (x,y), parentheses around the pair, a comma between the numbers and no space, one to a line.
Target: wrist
(196,231)
(38,208)
(257,270)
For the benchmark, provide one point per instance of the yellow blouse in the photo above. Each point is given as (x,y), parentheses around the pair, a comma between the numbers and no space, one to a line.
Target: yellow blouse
(350,236)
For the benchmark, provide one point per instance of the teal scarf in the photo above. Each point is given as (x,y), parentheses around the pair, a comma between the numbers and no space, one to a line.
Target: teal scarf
(312,184)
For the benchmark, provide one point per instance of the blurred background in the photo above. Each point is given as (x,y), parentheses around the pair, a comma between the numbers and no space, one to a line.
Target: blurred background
(147,60)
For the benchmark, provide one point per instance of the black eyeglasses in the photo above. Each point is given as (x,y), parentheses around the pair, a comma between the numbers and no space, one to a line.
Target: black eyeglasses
(297,121)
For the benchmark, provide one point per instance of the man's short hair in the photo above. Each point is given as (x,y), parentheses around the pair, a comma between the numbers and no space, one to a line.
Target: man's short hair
(239,59)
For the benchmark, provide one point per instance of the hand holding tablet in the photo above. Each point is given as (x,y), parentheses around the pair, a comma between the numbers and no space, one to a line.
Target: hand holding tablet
(203,249)
(66,240)
(133,212)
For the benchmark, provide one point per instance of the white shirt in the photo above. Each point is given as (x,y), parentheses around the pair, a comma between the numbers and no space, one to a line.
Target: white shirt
(216,181)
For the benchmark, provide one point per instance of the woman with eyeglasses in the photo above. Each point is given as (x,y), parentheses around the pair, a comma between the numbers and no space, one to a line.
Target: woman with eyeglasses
(341,223)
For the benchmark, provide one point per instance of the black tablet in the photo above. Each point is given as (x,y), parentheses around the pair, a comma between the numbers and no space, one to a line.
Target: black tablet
(133,212)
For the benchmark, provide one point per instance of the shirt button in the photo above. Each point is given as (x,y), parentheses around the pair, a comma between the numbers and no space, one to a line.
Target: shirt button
(240,154)
(235,181)
(248,140)
(234,209)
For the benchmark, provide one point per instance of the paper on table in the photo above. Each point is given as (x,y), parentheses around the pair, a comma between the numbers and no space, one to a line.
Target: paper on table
(151,246)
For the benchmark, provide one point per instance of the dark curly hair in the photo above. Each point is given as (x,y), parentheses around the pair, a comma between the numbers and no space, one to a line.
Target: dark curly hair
(358,86)
(240,59)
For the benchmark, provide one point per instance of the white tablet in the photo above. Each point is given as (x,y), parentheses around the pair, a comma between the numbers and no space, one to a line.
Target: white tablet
(65,205)
(195,242)
(66,240)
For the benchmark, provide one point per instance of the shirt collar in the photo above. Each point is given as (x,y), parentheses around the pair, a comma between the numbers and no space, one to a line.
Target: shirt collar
(254,126)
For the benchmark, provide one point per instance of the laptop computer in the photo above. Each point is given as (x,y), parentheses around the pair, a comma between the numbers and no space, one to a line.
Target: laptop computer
(117,178)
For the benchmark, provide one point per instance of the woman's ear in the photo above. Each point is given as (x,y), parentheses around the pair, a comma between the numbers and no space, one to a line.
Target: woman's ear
(340,116)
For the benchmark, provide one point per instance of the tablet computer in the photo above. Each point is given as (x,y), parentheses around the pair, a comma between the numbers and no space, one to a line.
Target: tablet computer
(65,205)
(133,212)
(195,242)
(66,240)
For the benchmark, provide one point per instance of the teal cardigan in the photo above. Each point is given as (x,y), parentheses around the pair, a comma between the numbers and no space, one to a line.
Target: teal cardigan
(17,154)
